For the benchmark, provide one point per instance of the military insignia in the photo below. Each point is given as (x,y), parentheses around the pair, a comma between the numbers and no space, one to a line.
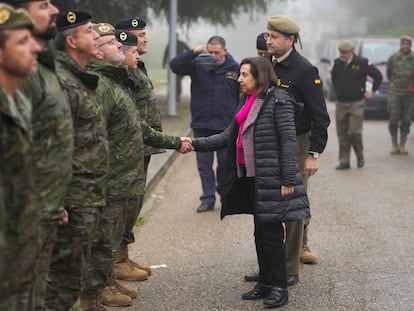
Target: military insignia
(104,28)
(317,81)
(231,75)
(71,17)
(123,36)
(134,23)
(4,15)
(280,84)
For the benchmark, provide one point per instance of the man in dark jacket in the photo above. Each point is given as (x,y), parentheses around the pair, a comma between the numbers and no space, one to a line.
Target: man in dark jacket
(349,75)
(296,74)
(214,98)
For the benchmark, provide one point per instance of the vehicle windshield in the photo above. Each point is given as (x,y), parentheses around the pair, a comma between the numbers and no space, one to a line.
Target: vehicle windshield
(378,52)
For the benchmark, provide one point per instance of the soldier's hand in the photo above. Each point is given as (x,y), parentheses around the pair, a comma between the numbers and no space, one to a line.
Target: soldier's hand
(186,145)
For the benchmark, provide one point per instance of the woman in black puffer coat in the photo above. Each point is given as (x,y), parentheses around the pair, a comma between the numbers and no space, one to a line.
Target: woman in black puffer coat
(263,178)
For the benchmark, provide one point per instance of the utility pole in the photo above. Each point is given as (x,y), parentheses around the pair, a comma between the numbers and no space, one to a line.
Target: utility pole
(172,51)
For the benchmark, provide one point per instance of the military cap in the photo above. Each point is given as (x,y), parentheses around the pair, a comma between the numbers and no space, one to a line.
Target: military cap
(104,29)
(261,41)
(12,2)
(284,24)
(406,38)
(70,19)
(346,45)
(126,37)
(133,23)
(11,18)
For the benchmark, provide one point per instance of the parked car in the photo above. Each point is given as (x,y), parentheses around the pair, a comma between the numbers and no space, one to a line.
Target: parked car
(377,50)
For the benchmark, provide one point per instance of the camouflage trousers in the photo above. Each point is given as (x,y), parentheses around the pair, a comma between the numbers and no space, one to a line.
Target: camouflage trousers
(401,109)
(108,237)
(70,255)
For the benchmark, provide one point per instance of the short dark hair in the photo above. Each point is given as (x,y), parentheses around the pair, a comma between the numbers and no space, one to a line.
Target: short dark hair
(4,35)
(60,40)
(262,71)
(217,40)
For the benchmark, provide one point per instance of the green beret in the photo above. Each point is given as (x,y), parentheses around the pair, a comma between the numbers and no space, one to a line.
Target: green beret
(11,18)
(134,23)
(126,37)
(104,29)
(346,46)
(406,38)
(283,24)
(70,19)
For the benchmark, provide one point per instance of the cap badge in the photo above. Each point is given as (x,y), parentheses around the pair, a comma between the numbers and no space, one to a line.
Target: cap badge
(71,17)
(123,36)
(134,23)
(4,15)
(104,28)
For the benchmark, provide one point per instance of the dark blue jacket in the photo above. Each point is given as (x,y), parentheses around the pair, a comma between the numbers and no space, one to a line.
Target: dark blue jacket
(214,89)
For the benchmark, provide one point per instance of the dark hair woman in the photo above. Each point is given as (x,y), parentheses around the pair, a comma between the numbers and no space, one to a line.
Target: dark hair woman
(262,175)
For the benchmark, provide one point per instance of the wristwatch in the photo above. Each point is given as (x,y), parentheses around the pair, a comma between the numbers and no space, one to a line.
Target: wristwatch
(314,154)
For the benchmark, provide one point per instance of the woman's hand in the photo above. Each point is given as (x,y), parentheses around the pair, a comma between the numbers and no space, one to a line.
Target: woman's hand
(287,191)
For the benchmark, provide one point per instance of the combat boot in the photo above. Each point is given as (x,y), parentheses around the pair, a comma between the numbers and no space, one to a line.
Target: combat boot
(130,291)
(401,147)
(307,256)
(124,249)
(124,270)
(90,303)
(394,147)
(111,296)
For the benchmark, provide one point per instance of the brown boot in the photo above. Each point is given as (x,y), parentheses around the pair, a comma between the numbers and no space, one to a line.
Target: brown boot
(90,303)
(401,147)
(126,272)
(111,296)
(307,256)
(141,267)
(123,250)
(126,290)
(394,147)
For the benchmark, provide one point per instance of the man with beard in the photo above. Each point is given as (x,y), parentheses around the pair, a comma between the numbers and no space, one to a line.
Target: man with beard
(52,133)
(19,225)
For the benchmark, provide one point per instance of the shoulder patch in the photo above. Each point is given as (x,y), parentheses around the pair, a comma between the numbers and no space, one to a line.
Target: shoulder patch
(232,75)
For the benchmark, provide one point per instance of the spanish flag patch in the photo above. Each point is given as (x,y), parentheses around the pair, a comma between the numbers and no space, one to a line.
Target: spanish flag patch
(317,81)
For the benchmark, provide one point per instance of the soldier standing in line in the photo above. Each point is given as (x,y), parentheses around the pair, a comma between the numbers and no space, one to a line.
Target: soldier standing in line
(400,69)
(144,97)
(52,134)
(19,219)
(85,199)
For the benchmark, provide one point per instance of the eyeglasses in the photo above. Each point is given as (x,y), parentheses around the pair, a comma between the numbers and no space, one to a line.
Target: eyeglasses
(110,42)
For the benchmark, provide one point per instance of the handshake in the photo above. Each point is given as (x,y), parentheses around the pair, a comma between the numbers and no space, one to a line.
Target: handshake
(186,145)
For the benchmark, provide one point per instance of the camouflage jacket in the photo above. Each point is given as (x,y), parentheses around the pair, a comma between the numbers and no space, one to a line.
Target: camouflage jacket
(143,95)
(52,135)
(399,71)
(126,147)
(19,224)
(91,152)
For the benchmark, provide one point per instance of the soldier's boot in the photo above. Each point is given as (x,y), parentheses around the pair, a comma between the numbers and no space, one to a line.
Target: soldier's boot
(135,264)
(90,303)
(124,270)
(127,290)
(394,147)
(307,256)
(401,147)
(111,296)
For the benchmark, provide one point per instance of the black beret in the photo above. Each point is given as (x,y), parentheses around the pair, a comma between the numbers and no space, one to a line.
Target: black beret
(70,19)
(261,41)
(11,18)
(11,2)
(133,23)
(126,37)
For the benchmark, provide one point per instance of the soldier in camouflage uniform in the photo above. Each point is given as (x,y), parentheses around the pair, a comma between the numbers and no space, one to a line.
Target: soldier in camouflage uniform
(85,199)
(52,134)
(400,69)
(19,220)
(126,175)
(143,95)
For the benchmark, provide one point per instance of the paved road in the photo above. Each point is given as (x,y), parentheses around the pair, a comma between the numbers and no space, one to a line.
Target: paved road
(361,229)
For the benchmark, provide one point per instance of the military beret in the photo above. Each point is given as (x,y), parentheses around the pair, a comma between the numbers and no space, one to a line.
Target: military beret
(261,41)
(406,38)
(70,19)
(346,45)
(104,29)
(11,2)
(133,23)
(11,18)
(126,37)
(284,24)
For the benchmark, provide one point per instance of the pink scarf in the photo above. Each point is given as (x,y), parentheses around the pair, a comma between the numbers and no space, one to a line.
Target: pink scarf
(241,119)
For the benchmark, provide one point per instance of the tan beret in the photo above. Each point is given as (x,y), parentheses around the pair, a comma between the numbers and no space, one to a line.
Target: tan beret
(284,24)
(11,18)
(406,38)
(346,45)
(104,29)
